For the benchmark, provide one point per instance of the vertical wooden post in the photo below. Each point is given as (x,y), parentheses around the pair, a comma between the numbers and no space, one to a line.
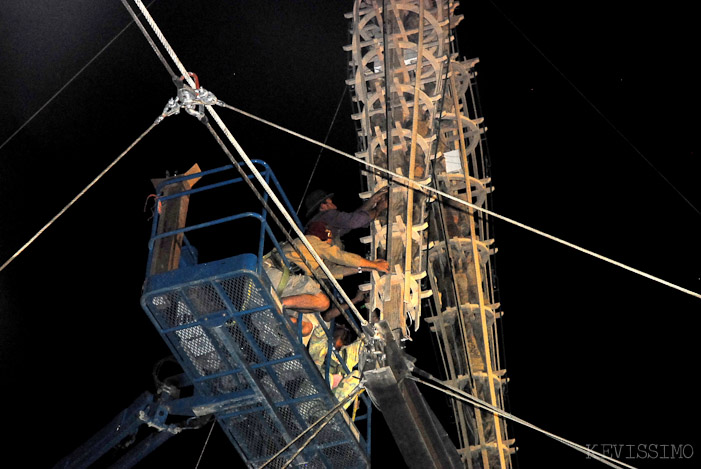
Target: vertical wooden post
(172,216)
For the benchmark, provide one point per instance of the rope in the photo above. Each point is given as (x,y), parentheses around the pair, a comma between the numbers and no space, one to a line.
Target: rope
(277,221)
(389,142)
(466,397)
(183,71)
(150,41)
(80,194)
(421,187)
(206,442)
(245,178)
(66,85)
(601,114)
(251,166)
(328,416)
(412,184)
(461,424)
(311,176)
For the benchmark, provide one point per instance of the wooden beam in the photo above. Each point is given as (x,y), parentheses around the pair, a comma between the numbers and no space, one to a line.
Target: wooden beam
(172,215)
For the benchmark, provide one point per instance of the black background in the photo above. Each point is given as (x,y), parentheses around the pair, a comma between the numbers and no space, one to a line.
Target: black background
(575,98)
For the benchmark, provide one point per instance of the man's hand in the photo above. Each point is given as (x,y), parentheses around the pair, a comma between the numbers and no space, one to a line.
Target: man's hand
(360,296)
(381,204)
(379,195)
(381,265)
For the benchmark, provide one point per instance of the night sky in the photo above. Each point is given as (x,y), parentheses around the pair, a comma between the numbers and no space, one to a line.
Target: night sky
(592,116)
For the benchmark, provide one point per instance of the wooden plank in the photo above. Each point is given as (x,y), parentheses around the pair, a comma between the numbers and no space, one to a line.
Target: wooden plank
(172,216)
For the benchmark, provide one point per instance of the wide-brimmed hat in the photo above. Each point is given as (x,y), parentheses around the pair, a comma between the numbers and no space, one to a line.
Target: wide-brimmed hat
(314,199)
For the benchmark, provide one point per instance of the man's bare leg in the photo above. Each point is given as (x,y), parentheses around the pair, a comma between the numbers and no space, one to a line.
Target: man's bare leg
(307,303)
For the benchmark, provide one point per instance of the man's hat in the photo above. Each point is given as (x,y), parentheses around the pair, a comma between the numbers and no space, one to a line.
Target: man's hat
(314,199)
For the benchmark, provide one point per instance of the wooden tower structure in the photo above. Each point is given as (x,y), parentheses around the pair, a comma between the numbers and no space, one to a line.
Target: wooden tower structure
(417,116)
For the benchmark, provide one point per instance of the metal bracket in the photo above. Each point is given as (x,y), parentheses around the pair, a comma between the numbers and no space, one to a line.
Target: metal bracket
(191,100)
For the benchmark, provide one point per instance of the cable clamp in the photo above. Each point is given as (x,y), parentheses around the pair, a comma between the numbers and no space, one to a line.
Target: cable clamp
(191,100)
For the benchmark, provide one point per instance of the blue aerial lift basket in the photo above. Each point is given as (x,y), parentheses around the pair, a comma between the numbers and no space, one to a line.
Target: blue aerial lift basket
(222,321)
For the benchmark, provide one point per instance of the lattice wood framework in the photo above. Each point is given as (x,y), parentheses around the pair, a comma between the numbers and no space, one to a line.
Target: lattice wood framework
(416,116)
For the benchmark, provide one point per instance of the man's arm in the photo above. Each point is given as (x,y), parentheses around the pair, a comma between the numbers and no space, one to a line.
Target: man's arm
(348,259)
(334,312)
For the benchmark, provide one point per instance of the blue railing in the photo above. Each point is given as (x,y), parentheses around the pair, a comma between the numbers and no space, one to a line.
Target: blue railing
(266,235)
(265,229)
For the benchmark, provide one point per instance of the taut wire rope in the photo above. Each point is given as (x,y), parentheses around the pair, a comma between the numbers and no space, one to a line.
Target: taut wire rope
(389,140)
(277,221)
(245,178)
(466,397)
(235,163)
(412,184)
(318,157)
(327,415)
(601,114)
(424,188)
(450,371)
(80,194)
(255,191)
(206,442)
(60,90)
(150,41)
(249,163)
(331,413)
(281,208)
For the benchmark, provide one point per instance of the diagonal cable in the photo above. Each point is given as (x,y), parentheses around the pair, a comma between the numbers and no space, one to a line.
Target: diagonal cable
(80,194)
(311,176)
(321,419)
(466,397)
(229,154)
(426,189)
(601,114)
(206,442)
(279,224)
(66,85)
(393,176)
(136,20)
(273,197)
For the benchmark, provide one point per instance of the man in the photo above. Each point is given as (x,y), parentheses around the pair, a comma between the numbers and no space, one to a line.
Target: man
(341,263)
(297,293)
(340,381)
(320,207)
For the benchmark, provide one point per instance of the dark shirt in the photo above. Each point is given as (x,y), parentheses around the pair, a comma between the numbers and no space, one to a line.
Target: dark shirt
(340,223)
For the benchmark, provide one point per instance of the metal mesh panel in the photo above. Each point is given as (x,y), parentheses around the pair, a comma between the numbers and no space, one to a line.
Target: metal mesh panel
(234,382)
(169,310)
(204,299)
(334,431)
(292,376)
(268,385)
(248,353)
(342,456)
(312,411)
(249,430)
(289,419)
(243,292)
(266,328)
(198,349)
(315,463)
(255,350)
